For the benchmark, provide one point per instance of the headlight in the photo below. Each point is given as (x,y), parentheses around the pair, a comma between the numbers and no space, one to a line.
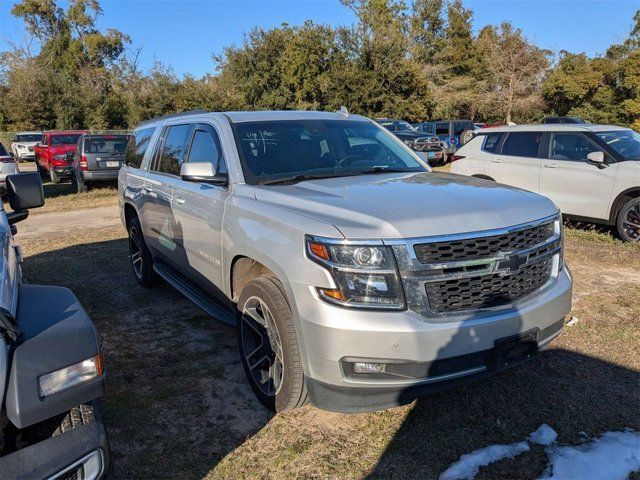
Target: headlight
(366,276)
(60,156)
(70,376)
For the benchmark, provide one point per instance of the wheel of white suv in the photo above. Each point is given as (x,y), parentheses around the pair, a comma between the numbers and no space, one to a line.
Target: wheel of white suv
(628,222)
(269,347)
(140,256)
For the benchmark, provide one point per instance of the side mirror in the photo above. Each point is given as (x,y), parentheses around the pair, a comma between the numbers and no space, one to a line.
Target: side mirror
(200,172)
(596,158)
(11,154)
(24,191)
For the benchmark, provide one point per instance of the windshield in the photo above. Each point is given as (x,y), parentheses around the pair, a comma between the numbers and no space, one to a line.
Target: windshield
(107,144)
(281,150)
(65,139)
(625,142)
(28,137)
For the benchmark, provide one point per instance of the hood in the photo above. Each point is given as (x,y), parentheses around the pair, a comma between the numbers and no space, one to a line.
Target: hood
(26,144)
(409,134)
(408,204)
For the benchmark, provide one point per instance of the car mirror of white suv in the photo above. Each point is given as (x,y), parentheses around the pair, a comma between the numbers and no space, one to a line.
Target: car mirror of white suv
(597,158)
(200,172)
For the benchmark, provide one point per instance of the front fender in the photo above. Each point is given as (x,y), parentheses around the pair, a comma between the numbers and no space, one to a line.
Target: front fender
(56,333)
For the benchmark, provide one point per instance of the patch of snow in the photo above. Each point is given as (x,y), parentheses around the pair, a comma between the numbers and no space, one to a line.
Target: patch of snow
(544,435)
(612,456)
(467,467)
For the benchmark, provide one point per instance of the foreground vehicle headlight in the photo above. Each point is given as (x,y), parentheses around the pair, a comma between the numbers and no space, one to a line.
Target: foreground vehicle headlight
(366,276)
(70,376)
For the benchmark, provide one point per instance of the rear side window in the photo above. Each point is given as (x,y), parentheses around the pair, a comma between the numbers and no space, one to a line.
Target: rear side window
(3,151)
(571,146)
(492,142)
(522,144)
(205,147)
(137,146)
(174,149)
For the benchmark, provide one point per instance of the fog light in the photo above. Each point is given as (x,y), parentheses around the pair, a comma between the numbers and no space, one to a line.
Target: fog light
(70,376)
(367,367)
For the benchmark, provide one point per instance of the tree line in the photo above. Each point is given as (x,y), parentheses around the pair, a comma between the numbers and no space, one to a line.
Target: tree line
(418,61)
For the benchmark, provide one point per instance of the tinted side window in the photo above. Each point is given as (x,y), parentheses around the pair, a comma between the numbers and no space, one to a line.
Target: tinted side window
(137,146)
(205,147)
(522,144)
(174,149)
(442,129)
(492,142)
(571,146)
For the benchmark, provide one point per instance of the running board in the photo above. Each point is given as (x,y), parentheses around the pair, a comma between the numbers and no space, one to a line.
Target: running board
(208,305)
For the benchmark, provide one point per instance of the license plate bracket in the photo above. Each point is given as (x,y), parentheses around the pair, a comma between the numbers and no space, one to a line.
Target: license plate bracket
(510,351)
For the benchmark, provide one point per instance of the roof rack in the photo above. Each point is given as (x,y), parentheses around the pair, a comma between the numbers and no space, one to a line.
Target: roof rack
(174,115)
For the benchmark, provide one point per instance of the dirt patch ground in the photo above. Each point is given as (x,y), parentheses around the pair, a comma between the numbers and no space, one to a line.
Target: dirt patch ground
(177,404)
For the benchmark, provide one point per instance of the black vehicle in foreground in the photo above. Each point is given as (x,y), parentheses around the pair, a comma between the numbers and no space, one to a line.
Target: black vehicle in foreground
(428,145)
(51,369)
(97,158)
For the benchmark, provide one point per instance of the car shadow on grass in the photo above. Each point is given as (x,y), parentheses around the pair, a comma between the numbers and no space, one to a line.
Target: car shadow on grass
(577,395)
(177,401)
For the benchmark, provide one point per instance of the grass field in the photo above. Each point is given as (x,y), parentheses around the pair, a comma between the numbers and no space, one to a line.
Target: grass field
(177,404)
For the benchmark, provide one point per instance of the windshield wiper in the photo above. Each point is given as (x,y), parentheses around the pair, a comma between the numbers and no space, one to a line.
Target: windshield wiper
(292,179)
(383,169)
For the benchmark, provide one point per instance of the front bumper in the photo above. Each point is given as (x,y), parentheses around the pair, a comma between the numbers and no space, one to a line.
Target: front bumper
(52,457)
(332,334)
(63,171)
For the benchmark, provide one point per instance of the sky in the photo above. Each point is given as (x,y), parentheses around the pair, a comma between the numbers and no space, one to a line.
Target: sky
(184,34)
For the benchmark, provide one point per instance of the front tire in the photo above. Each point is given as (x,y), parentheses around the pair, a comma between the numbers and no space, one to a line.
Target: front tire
(268,345)
(53,176)
(628,221)
(140,256)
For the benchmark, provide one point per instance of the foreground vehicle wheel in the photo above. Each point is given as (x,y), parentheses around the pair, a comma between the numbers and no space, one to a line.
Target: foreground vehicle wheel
(269,346)
(629,221)
(140,256)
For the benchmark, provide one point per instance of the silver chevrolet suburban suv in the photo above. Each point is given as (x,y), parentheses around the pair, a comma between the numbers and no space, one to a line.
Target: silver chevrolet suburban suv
(357,278)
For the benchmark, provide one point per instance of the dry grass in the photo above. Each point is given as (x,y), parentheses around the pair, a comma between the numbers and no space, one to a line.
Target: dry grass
(177,404)
(62,198)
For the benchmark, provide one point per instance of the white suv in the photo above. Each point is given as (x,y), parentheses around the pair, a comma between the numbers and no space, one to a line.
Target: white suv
(591,172)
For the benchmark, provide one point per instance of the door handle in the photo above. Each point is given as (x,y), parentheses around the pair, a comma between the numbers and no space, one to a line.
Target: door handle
(495,160)
(179,201)
(550,165)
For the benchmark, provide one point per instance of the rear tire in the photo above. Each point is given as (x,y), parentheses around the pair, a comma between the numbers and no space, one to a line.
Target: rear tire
(628,221)
(140,256)
(81,186)
(268,345)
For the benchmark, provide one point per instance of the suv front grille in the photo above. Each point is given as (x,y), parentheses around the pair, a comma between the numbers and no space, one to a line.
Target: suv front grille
(487,291)
(470,248)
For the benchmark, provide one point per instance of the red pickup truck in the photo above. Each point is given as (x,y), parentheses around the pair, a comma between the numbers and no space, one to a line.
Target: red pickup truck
(55,153)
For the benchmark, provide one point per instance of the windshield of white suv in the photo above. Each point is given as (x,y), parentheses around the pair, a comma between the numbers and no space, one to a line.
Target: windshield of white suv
(291,151)
(625,142)
(28,137)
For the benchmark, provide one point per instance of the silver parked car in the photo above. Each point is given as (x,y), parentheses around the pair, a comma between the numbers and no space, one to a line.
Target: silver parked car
(97,159)
(357,278)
